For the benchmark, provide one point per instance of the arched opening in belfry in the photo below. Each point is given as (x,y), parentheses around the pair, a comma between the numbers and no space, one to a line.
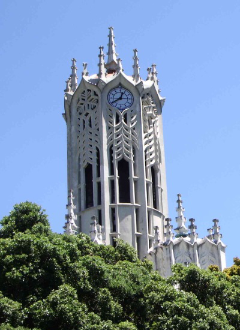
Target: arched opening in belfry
(89,185)
(154,192)
(123,181)
(98,162)
(111,168)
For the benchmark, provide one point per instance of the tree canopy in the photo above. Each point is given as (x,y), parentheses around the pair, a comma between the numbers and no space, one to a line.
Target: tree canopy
(54,281)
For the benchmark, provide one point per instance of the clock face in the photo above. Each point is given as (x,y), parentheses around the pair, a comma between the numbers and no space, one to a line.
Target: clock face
(120,98)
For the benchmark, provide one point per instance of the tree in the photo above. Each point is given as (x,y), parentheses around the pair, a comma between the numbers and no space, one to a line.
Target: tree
(52,281)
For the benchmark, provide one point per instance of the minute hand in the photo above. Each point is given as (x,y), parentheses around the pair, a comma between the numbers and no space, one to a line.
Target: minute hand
(118,98)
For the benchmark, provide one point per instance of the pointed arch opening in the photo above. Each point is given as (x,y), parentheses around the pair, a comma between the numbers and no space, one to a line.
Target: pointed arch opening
(154,191)
(111,167)
(98,162)
(123,182)
(89,185)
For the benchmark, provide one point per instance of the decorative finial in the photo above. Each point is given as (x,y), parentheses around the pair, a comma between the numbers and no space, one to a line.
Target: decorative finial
(149,76)
(216,231)
(154,74)
(96,231)
(70,225)
(193,235)
(85,71)
(180,219)
(156,240)
(68,85)
(102,70)
(74,77)
(210,234)
(168,234)
(120,68)
(136,68)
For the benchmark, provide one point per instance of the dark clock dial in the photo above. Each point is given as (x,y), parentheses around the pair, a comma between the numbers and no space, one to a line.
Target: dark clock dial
(120,98)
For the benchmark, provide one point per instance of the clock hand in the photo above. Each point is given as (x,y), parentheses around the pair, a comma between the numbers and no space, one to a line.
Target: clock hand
(120,98)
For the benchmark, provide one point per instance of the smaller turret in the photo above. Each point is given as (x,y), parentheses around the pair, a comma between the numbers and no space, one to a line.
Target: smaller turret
(216,231)
(154,74)
(96,231)
(149,76)
(70,227)
(85,70)
(68,86)
(180,219)
(169,235)
(193,235)
(101,65)
(136,68)
(156,240)
(74,77)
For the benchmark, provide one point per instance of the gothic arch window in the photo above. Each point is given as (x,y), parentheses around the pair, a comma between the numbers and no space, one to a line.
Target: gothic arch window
(89,185)
(154,190)
(98,162)
(123,181)
(111,166)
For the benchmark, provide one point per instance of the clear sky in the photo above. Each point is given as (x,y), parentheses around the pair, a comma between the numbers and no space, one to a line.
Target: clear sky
(196,46)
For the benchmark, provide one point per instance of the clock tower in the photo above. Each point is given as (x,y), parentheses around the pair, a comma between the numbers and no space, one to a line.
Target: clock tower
(115,151)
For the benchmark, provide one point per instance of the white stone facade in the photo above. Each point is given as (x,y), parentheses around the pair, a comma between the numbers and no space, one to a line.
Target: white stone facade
(116,162)
(186,247)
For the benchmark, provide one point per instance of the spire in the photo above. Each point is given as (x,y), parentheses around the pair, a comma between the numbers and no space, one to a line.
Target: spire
(149,76)
(112,55)
(111,64)
(154,74)
(85,71)
(216,231)
(74,77)
(193,235)
(136,67)
(102,70)
(168,234)
(96,231)
(68,85)
(180,219)
(70,226)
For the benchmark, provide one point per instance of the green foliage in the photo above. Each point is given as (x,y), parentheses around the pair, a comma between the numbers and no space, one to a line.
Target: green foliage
(24,216)
(234,269)
(52,281)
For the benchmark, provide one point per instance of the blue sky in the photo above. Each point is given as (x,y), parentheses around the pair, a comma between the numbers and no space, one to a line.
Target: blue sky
(196,47)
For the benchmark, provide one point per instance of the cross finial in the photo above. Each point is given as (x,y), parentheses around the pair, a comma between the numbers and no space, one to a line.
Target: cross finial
(136,68)
(74,77)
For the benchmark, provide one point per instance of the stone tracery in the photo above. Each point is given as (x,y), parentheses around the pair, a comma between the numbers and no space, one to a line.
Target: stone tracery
(88,126)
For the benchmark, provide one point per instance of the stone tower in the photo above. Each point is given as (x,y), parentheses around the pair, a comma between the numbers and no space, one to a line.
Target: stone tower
(115,151)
